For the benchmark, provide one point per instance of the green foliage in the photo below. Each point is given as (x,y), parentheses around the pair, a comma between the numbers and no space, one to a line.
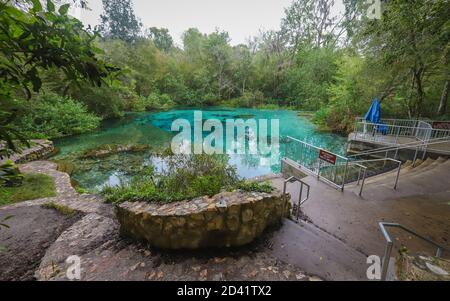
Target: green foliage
(161,38)
(185,177)
(10,175)
(314,62)
(34,39)
(34,186)
(251,186)
(64,210)
(118,21)
(52,116)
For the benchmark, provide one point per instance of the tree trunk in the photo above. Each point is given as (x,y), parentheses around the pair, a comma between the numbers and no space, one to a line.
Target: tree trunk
(418,76)
(444,98)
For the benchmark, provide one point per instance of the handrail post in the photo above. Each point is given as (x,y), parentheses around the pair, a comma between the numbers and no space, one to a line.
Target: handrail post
(345,175)
(362,184)
(335,174)
(287,147)
(415,156)
(386,259)
(359,176)
(318,169)
(299,200)
(398,175)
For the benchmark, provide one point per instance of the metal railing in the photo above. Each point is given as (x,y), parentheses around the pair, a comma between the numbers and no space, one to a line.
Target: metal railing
(307,155)
(417,146)
(389,131)
(399,167)
(336,175)
(300,200)
(390,244)
(411,145)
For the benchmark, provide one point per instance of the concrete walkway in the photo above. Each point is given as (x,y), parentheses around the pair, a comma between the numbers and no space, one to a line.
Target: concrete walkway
(422,203)
(317,252)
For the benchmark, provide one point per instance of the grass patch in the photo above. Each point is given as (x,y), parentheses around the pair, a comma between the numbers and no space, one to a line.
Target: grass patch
(64,210)
(249,186)
(34,186)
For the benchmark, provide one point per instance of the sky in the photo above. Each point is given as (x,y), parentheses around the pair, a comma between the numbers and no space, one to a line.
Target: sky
(241,18)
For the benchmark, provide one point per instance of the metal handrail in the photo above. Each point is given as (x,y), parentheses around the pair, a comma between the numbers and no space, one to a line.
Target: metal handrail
(413,144)
(346,163)
(313,146)
(300,201)
(389,245)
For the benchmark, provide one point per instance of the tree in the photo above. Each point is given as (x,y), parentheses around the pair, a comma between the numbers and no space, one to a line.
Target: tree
(119,22)
(218,53)
(161,38)
(33,39)
(444,97)
(309,22)
(411,41)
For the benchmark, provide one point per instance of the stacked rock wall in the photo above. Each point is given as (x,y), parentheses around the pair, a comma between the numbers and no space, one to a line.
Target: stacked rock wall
(227,219)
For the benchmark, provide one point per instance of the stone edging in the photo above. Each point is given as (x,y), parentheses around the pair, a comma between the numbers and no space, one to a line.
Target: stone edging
(41,149)
(224,220)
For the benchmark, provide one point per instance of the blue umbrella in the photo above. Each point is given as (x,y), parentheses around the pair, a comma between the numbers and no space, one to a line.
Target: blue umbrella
(374,116)
(374,113)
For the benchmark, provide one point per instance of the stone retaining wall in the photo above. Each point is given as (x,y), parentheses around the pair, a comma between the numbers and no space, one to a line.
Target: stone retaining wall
(41,149)
(227,219)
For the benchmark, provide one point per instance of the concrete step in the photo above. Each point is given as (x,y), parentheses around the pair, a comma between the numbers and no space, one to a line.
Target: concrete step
(424,171)
(317,252)
(389,177)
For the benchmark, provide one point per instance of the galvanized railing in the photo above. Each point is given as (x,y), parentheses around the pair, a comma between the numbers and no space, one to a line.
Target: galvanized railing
(335,174)
(390,244)
(415,145)
(301,200)
(419,130)
(384,160)
(307,155)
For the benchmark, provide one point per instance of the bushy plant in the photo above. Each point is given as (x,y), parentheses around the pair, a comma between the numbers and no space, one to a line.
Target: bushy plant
(53,116)
(10,175)
(251,186)
(184,177)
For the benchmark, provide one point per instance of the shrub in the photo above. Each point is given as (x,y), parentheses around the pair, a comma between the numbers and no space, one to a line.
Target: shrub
(53,116)
(185,177)
(254,186)
(10,175)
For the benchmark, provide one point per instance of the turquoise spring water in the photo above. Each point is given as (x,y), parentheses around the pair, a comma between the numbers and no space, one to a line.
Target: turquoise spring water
(154,129)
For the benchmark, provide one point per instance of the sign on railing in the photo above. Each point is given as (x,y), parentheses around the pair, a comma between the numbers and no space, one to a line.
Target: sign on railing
(327,157)
(441,125)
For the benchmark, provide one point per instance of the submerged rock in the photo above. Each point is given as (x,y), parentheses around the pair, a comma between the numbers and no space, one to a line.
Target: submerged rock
(108,150)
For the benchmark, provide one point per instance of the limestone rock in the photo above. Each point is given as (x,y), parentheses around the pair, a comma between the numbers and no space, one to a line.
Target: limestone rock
(227,219)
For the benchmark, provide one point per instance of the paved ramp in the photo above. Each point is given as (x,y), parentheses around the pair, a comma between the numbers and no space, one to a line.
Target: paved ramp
(318,252)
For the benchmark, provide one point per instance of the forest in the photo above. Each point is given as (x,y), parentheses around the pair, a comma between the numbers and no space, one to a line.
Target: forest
(60,78)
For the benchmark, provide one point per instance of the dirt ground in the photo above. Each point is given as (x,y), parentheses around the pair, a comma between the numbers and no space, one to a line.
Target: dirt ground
(31,231)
